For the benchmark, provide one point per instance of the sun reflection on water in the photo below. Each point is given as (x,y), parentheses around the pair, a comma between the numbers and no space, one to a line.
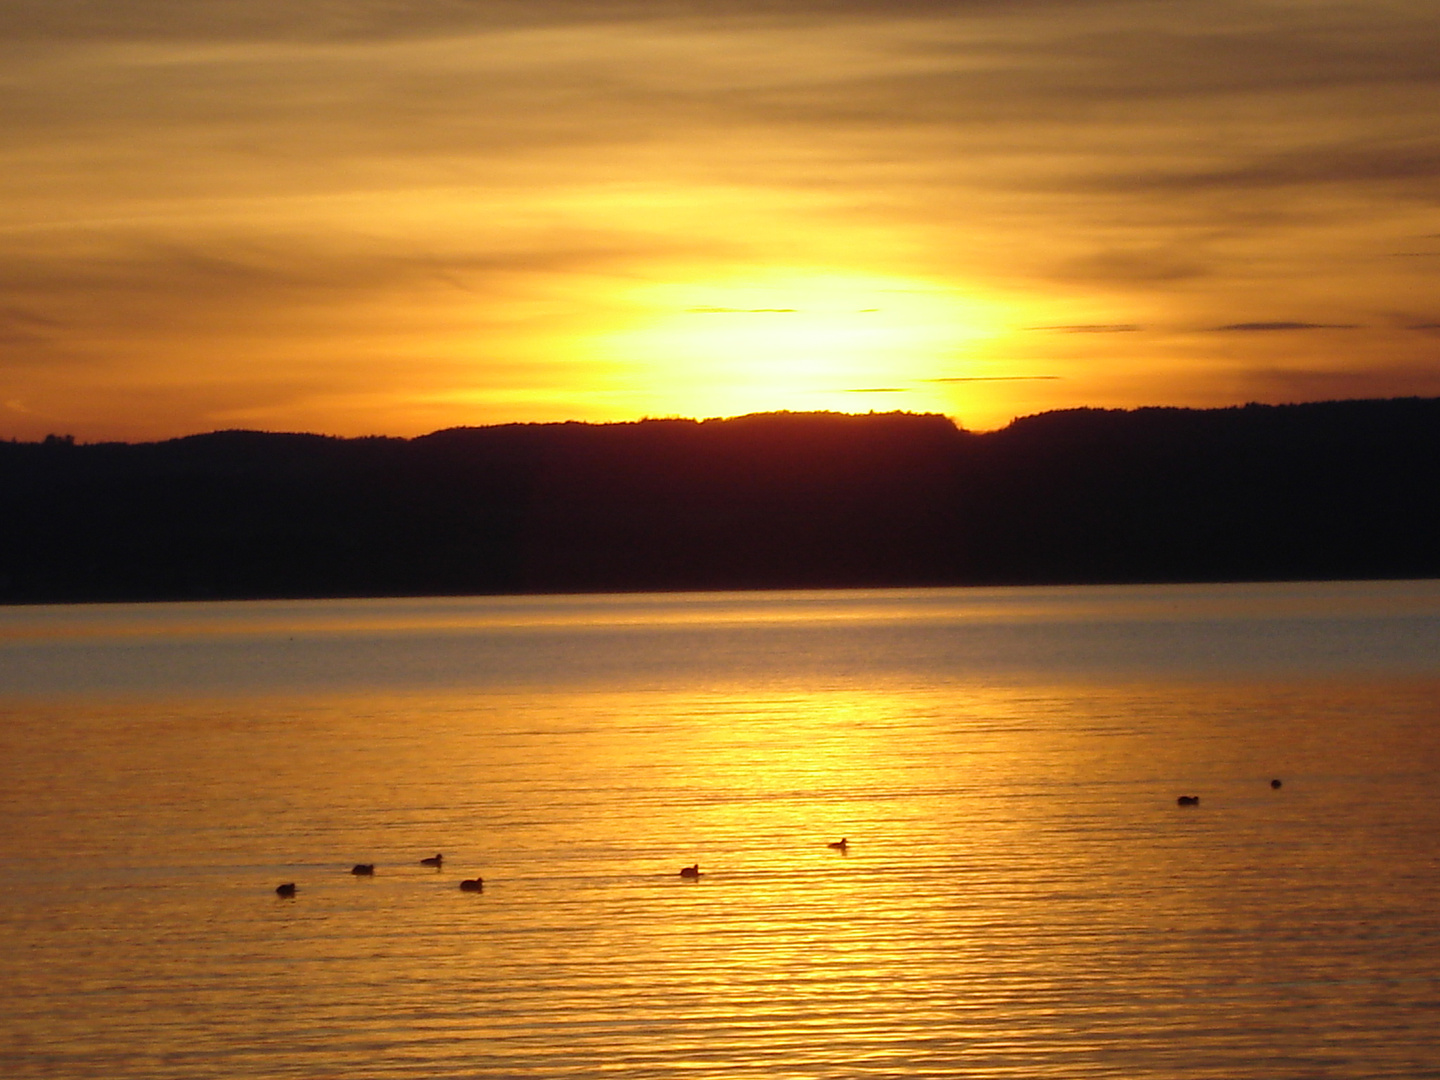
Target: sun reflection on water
(1020,894)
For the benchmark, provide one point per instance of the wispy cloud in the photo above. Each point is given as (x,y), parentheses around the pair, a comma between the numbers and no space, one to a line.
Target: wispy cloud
(994,378)
(1359,162)
(1091,328)
(1265,327)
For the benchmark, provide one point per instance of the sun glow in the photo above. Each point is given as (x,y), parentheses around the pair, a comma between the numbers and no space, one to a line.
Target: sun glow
(796,340)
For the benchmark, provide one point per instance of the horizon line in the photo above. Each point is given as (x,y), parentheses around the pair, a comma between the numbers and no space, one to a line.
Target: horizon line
(70,439)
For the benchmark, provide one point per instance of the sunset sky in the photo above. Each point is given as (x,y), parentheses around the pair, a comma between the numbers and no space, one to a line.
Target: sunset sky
(393,216)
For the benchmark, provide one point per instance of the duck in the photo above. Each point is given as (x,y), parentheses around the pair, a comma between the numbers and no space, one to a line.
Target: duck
(839,845)
(691,872)
(436,861)
(472,885)
(1188,800)
(288,889)
(1275,785)
(363,869)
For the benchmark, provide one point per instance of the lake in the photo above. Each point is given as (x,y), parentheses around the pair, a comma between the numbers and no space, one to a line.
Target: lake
(1019,896)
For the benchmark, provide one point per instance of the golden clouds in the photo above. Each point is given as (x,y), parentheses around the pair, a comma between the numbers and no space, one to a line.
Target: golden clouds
(373,217)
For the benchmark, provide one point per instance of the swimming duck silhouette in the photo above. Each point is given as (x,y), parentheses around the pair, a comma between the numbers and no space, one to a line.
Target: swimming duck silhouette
(691,872)
(839,845)
(472,885)
(363,869)
(1188,800)
(288,889)
(1275,784)
(436,861)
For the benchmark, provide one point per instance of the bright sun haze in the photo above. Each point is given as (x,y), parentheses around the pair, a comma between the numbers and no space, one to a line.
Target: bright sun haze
(800,339)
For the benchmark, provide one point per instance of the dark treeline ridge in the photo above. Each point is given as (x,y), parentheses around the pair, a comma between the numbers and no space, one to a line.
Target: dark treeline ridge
(787,500)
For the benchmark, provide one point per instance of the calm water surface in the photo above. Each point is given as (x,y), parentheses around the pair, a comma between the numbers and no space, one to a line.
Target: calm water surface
(1021,896)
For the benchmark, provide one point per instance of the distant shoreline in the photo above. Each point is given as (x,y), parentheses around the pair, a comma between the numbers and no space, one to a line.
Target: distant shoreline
(1313,492)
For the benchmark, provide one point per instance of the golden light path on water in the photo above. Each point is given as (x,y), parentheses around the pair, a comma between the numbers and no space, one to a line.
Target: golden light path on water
(1020,894)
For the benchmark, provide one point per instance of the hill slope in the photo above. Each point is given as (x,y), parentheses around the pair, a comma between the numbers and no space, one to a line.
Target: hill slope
(1329,490)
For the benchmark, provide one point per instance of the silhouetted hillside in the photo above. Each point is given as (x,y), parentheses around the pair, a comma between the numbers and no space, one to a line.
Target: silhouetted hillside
(1341,489)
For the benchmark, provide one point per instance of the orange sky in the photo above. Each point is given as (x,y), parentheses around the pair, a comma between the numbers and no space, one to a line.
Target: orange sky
(375,216)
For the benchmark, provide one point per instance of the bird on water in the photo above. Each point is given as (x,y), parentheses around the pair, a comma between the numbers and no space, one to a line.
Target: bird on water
(1188,800)
(839,845)
(288,889)
(1275,784)
(363,869)
(472,885)
(690,871)
(436,861)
